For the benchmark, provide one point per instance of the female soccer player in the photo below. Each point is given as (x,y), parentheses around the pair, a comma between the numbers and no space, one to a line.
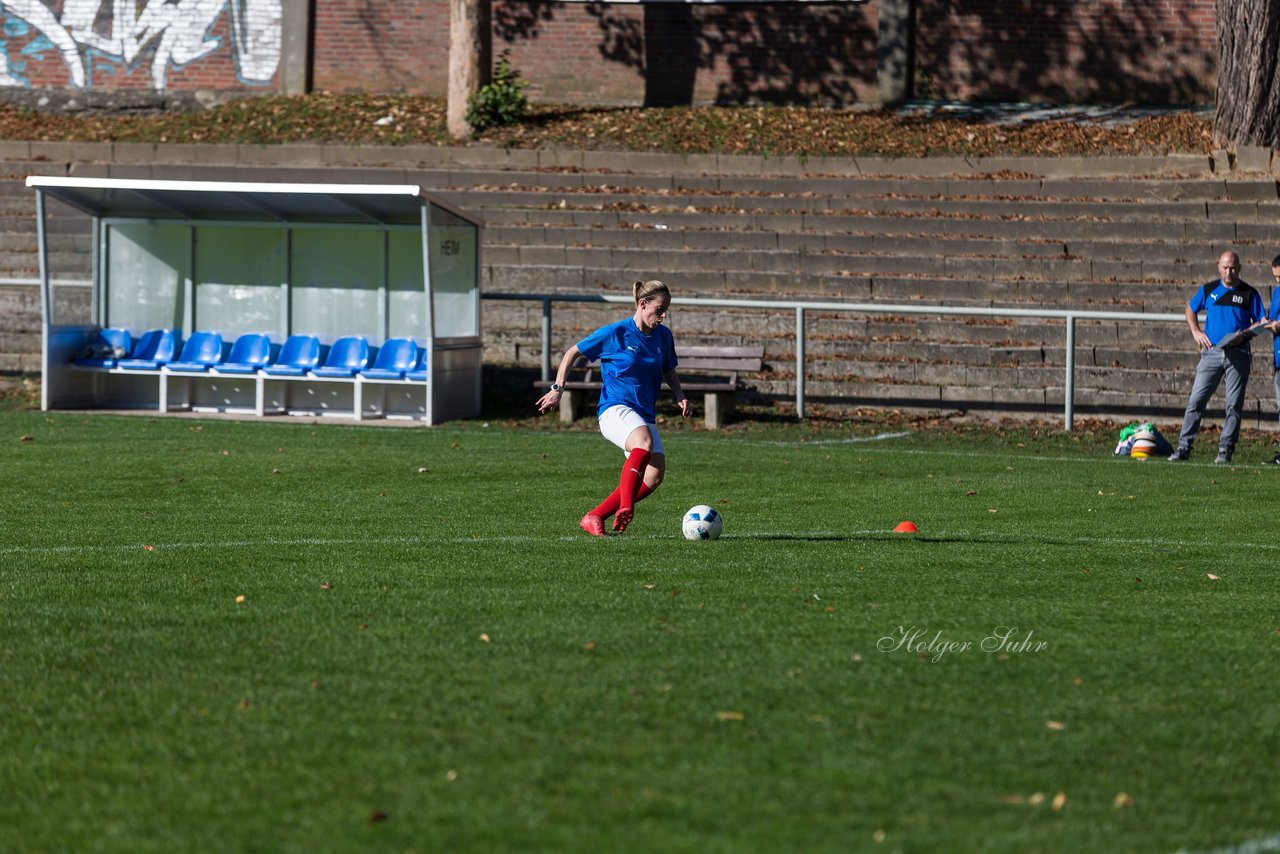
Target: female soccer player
(636,355)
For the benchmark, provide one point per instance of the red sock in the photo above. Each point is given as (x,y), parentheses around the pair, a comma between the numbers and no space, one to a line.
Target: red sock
(632,476)
(610,505)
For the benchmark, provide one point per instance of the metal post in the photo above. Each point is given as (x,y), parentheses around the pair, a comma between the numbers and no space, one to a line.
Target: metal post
(433,379)
(46,300)
(546,340)
(1069,388)
(799,362)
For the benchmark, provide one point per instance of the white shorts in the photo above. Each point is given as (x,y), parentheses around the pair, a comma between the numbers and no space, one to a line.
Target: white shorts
(618,422)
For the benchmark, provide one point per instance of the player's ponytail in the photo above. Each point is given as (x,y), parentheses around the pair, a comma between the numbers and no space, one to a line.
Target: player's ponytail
(646,290)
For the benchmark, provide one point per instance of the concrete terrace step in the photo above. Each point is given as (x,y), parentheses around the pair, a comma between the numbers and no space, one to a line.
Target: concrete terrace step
(508,238)
(586,270)
(1049,208)
(747,223)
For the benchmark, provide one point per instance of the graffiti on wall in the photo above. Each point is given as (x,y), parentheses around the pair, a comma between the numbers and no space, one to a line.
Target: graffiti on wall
(88,33)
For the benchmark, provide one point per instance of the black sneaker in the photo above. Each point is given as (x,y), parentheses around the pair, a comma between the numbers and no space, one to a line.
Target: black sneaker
(1180,455)
(1274,461)
(1223,457)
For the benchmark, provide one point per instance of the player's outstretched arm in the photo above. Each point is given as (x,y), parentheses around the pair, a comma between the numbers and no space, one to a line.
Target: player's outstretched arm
(673,382)
(551,398)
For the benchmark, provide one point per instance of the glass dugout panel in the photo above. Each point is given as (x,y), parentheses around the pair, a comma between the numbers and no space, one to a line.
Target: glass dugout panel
(337,277)
(407,295)
(147,268)
(69,234)
(455,282)
(240,275)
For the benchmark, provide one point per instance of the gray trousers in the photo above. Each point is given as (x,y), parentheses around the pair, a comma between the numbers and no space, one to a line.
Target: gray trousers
(1275,379)
(1214,365)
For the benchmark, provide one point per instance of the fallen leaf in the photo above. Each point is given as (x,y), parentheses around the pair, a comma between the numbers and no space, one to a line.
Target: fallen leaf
(451,775)
(1122,800)
(1056,725)
(326,585)
(376,817)
(1059,801)
(244,704)
(1036,800)
(1212,577)
(589,645)
(239,600)
(730,716)
(1013,799)
(484,637)
(26,438)
(970,492)
(650,587)
(149,548)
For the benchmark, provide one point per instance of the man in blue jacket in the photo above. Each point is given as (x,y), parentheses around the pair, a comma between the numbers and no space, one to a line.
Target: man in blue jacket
(1231,307)
(1274,316)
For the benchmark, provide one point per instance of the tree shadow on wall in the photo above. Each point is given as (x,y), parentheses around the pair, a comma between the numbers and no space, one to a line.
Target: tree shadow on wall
(1047,51)
(772,54)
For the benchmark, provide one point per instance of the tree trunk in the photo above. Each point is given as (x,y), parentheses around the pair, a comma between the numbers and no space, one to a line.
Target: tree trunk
(1248,104)
(470,59)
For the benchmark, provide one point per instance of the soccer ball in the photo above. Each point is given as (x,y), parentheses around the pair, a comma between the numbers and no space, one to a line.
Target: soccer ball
(702,523)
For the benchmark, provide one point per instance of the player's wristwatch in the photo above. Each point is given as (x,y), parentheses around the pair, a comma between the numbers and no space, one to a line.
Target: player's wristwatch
(557,387)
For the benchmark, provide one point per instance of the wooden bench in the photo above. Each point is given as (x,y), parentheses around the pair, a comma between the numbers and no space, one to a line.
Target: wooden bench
(710,370)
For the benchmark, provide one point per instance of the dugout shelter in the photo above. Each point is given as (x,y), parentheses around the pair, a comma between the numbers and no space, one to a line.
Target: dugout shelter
(182,274)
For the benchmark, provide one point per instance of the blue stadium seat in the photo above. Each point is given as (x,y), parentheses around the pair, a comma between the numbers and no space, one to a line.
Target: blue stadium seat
(250,352)
(156,347)
(202,351)
(395,357)
(419,373)
(107,347)
(299,354)
(348,355)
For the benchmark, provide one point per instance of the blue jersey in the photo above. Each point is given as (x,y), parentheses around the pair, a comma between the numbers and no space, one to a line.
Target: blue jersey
(1274,314)
(1226,310)
(632,364)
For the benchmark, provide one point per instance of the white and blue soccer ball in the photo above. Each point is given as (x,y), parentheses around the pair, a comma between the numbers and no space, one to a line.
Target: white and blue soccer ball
(702,523)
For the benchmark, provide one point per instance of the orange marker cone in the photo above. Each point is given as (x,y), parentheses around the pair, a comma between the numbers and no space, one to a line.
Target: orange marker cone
(907,527)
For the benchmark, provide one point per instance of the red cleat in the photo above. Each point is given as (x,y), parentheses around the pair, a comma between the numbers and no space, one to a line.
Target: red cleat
(623,518)
(593,525)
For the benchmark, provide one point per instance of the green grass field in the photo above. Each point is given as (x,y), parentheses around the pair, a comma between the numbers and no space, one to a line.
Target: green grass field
(1076,652)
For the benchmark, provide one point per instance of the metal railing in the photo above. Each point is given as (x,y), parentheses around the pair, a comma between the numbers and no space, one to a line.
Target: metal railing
(801,308)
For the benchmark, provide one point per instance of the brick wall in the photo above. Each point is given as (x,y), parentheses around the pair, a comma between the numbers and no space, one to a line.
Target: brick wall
(1158,51)
(378,46)
(655,53)
(613,53)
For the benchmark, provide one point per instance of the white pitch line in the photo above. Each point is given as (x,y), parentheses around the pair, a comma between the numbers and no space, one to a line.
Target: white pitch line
(1006,457)
(925,536)
(1253,846)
